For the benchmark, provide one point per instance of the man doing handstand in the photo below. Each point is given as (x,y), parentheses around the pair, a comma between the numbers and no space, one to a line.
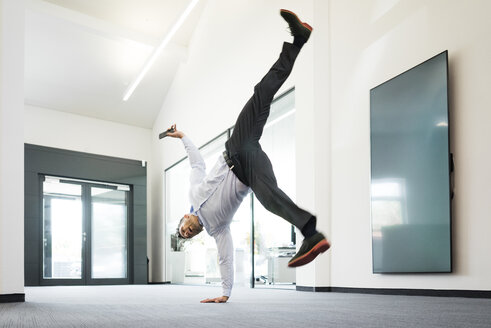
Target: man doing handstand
(244,166)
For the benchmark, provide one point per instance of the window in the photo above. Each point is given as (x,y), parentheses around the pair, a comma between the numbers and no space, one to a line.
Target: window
(195,261)
(274,237)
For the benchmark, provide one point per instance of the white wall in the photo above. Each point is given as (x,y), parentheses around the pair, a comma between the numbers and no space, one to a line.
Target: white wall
(52,128)
(356,45)
(11,147)
(234,45)
(372,41)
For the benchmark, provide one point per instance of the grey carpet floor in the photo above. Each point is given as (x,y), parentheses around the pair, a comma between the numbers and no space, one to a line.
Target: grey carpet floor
(178,306)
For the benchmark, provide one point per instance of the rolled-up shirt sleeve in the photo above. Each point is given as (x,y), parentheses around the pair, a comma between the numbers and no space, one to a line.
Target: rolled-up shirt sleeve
(225,249)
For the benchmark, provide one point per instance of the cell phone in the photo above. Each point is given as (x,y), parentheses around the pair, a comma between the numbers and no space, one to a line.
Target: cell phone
(166,133)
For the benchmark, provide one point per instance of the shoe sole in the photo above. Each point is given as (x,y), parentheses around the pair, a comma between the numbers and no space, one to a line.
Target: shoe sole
(308,257)
(295,15)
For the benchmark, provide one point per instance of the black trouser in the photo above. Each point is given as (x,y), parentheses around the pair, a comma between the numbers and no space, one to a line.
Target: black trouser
(251,164)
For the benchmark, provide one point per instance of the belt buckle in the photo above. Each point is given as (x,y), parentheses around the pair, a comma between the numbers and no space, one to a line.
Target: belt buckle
(229,162)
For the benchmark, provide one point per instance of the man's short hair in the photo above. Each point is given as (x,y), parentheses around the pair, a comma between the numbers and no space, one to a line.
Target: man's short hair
(178,232)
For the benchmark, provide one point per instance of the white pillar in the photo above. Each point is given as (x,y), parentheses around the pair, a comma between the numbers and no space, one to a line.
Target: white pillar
(312,92)
(12,13)
(305,140)
(322,132)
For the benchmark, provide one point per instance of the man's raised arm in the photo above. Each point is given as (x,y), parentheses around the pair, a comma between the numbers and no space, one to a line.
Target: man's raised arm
(198,166)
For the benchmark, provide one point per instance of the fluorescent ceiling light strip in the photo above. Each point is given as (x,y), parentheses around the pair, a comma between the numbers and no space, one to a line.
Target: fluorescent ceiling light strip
(157,51)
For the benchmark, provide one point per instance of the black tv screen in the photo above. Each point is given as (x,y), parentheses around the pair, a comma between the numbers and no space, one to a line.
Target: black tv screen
(410,171)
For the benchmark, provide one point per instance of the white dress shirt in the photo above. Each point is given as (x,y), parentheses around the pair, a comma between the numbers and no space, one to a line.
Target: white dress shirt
(214,199)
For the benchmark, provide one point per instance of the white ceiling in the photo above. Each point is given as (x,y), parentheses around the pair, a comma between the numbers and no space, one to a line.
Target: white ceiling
(81,55)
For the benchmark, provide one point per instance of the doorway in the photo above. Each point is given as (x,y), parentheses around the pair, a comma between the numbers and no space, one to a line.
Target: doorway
(85,232)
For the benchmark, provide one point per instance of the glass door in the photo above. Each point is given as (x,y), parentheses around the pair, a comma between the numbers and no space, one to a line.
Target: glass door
(62,232)
(85,233)
(108,235)
(274,238)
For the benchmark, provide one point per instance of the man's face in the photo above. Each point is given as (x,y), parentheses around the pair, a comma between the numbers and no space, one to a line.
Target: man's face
(190,226)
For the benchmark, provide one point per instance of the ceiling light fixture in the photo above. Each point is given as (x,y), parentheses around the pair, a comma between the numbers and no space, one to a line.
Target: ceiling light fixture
(157,51)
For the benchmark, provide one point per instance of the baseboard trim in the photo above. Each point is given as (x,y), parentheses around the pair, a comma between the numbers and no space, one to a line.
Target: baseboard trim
(12,298)
(406,292)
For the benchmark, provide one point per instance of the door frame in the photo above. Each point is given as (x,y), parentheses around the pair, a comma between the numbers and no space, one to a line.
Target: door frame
(86,246)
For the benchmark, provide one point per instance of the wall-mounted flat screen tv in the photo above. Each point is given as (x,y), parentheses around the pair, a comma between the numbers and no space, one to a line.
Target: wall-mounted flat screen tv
(410,171)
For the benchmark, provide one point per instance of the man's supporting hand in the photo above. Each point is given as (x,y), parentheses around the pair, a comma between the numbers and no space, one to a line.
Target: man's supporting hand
(176,133)
(221,299)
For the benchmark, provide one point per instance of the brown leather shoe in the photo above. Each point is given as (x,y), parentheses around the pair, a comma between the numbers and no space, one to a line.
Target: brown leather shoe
(297,27)
(311,247)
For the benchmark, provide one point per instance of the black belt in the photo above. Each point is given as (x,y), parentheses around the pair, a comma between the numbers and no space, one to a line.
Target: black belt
(229,162)
(235,166)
